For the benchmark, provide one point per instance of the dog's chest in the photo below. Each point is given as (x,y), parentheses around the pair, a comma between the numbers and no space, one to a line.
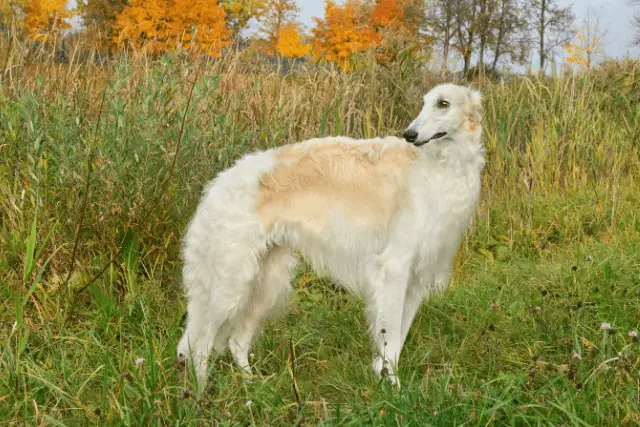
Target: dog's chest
(444,207)
(445,211)
(450,195)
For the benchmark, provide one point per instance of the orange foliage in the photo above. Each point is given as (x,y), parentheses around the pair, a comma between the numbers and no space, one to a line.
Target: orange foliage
(388,13)
(290,43)
(342,33)
(393,30)
(361,25)
(43,18)
(166,25)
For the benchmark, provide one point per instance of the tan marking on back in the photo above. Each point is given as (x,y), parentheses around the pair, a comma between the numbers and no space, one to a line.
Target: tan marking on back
(365,183)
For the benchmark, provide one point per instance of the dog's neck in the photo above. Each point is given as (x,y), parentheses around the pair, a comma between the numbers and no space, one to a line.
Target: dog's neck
(459,154)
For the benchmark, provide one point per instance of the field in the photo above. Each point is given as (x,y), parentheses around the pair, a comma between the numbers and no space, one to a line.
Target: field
(101,168)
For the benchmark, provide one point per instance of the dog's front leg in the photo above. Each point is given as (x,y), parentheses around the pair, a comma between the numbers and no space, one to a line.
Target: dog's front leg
(385,307)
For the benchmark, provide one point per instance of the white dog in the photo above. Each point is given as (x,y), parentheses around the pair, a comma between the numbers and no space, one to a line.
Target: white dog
(383,217)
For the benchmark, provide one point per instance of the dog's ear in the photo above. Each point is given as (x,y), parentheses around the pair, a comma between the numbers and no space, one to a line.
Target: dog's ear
(473,86)
(475,98)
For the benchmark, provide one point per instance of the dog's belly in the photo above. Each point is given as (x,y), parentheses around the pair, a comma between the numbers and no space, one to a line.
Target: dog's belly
(339,247)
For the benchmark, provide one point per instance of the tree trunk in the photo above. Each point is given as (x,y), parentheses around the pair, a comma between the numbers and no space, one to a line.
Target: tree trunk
(467,61)
(445,53)
(483,32)
(543,7)
(499,38)
(467,54)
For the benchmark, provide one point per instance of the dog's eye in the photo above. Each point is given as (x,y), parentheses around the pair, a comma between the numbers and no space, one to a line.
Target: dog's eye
(443,104)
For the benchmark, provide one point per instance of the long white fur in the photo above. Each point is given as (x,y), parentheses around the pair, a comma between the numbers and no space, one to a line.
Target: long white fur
(236,269)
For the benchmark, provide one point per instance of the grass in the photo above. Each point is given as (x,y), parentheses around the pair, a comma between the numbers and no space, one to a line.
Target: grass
(101,168)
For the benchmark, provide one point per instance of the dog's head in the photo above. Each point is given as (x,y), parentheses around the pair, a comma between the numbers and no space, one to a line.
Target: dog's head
(449,112)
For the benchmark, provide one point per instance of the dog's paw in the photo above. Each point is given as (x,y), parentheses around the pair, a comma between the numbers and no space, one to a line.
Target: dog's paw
(383,370)
(180,362)
(394,380)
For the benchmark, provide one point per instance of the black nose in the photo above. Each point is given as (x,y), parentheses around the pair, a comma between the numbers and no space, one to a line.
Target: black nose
(410,135)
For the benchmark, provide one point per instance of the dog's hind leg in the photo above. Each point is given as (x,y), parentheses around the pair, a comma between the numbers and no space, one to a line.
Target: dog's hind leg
(268,289)
(216,295)
(195,344)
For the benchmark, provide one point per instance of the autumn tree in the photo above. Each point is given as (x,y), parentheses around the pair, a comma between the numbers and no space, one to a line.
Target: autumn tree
(45,18)
(551,26)
(396,23)
(343,32)
(99,20)
(166,25)
(290,43)
(240,12)
(273,16)
(388,14)
(587,46)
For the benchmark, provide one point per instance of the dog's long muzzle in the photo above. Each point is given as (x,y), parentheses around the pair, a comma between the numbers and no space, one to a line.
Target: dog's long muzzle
(414,141)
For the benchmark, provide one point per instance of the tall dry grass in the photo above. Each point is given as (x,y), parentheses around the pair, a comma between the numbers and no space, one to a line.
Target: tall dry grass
(92,145)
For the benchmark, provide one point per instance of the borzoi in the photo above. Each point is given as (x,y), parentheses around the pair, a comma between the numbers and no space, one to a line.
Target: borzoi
(383,217)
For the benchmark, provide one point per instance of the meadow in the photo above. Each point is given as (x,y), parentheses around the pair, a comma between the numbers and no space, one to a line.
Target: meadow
(101,167)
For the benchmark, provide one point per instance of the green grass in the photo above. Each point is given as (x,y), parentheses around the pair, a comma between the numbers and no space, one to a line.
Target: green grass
(553,253)
(479,353)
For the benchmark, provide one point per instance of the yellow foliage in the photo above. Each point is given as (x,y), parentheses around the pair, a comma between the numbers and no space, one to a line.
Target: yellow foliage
(167,25)
(290,42)
(584,50)
(242,8)
(274,15)
(43,18)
